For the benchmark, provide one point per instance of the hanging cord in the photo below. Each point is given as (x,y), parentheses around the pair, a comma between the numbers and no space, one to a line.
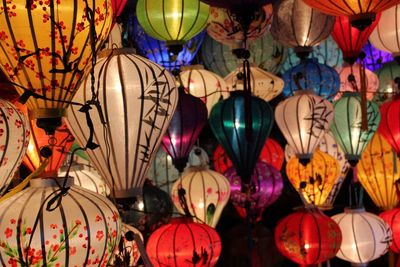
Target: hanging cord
(363,81)
(247,101)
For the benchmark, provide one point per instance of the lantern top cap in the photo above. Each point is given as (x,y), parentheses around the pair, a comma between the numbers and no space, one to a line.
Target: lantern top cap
(51,182)
(353,94)
(116,51)
(192,67)
(354,210)
(180,220)
(303,92)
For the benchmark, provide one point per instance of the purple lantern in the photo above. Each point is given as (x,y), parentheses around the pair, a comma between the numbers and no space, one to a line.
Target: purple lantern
(265,187)
(375,58)
(186,124)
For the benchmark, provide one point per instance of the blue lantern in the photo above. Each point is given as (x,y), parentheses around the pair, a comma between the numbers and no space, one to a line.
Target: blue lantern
(375,58)
(311,75)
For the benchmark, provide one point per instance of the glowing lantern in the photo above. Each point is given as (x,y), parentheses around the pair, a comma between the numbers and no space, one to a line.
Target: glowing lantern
(375,58)
(204,84)
(206,193)
(303,119)
(46,48)
(308,237)
(89,180)
(118,6)
(366,237)
(389,81)
(323,80)
(391,217)
(175,22)
(263,84)
(251,198)
(238,4)
(137,104)
(128,250)
(83,229)
(347,125)
(390,125)
(299,26)
(184,243)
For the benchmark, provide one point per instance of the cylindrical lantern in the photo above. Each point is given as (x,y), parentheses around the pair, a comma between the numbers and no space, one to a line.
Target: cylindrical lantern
(127,253)
(251,199)
(374,58)
(137,98)
(378,171)
(366,237)
(82,230)
(263,84)
(323,80)
(175,22)
(391,217)
(308,237)
(184,243)
(347,125)
(303,119)
(389,82)
(206,193)
(390,125)
(297,25)
(242,140)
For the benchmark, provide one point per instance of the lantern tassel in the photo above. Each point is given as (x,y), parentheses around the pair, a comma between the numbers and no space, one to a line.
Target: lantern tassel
(364,119)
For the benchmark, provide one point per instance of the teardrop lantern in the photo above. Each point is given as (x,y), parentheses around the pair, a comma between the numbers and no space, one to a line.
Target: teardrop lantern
(389,81)
(390,125)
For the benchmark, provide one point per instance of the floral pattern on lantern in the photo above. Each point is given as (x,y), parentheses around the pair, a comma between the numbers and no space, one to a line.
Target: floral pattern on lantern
(390,125)
(388,85)
(129,254)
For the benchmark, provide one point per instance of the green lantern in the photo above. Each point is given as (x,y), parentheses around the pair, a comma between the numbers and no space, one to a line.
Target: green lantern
(389,80)
(173,21)
(228,121)
(347,125)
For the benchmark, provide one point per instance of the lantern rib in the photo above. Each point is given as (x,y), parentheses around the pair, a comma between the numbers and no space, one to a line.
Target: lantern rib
(373,233)
(355,237)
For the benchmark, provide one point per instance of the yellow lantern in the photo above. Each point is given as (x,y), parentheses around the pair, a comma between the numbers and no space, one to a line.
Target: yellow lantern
(315,180)
(378,170)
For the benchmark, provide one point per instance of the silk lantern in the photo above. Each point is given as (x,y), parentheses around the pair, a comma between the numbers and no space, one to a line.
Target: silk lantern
(184,243)
(347,125)
(242,139)
(323,80)
(251,198)
(137,110)
(206,193)
(237,5)
(297,25)
(308,237)
(83,229)
(391,217)
(389,127)
(378,171)
(127,252)
(375,58)
(303,120)
(46,48)
(388,81)
(263,84)
(118,6)
(366,237)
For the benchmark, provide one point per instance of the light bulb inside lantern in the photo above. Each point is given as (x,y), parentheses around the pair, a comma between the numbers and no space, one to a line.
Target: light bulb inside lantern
(306,246)
(141,205)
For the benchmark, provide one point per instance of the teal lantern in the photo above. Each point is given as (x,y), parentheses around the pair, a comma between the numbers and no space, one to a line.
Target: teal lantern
(347,125)
(389,80)
(242,131)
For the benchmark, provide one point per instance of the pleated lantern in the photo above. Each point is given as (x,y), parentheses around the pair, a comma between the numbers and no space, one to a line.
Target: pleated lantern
(375,58)
(263,84)
(303,120)
(297,25)
(82,230)
(138,99)
(389,127)
(204,84)
(308,237)
(391,217)
(127,253)
(271,153)
(118,6)
(347,125)
(46,48)
(366,237)
(323,80)
(184,243)
(251,198)
(388,82)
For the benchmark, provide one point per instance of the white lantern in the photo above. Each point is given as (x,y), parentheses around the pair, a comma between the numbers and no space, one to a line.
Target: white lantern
(137,98)
(82,230)
(366,236)
(130,249)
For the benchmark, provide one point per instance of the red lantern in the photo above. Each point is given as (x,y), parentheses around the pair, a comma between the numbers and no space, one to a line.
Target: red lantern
(118,6)
(351,40)
(390,124)
(184,243)
(392,218)
(272,153)
(308,237)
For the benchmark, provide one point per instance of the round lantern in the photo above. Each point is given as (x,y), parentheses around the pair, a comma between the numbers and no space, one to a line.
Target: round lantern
(323,80)
(265,52)
(251,198)
(175,22)
(366,237)
(390,125)
(271,153)
(388,81)
(391,217)
(375,58)
(50,59)
(308,237)
(347,125)
(242,139)
(206,193)
(184,128)
(137,105)
(263,84)
(225,28)
(303,119)
(385,36)
(297,25)
(127,253)
(82,230)
(184,243)
(204,84)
